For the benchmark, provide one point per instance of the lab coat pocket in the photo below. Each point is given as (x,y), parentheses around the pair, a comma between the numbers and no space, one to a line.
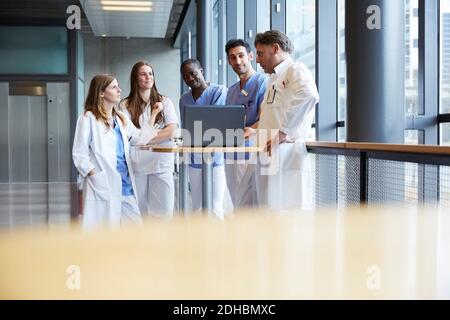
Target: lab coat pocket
(134,158)
(293,156)
(273,96)
(97,187)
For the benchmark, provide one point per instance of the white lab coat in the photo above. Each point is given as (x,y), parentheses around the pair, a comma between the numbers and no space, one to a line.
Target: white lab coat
(220,205)
(240,175)
(94,147)
(153,170)
(284,180)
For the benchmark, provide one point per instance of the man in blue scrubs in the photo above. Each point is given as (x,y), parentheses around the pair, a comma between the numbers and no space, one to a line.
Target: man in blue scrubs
(248,91)
(203,93)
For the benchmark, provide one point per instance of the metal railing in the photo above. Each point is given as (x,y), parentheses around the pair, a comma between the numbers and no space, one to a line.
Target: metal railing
(367,173)
(344,174)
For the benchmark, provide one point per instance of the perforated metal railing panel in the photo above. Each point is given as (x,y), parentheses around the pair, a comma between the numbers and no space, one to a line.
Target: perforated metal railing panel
(337,181)
(348,180)
(391,182)
(407,183)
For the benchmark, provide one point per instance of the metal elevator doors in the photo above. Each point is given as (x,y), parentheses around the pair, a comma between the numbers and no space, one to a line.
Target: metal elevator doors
(35,134)
(35,155)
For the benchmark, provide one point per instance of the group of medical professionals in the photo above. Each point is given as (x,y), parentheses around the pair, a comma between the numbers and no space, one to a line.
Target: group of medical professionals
(121,183)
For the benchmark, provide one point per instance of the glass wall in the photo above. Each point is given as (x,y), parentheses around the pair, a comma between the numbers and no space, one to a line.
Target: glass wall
(444,91)
(301,30)
(412,57)
(33,50)
(223,32)
(342,70)
(263,22)
(240,17)
(215,44)
(445,57)
(263,19)
(300,22)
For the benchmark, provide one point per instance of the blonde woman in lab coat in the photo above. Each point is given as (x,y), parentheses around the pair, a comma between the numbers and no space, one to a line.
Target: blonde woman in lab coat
(101,155)
(154,171)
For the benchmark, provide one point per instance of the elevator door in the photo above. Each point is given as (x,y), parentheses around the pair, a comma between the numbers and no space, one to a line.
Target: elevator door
(35,155)
(35,134)
(27,139)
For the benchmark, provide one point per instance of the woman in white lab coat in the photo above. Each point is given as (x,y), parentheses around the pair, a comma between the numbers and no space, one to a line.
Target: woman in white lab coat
(101,155)
(153,171)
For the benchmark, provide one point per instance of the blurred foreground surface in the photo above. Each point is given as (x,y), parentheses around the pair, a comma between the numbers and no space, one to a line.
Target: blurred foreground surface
(376,253)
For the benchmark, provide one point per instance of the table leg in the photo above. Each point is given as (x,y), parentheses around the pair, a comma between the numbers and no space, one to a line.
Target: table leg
(207,183)
(183,183)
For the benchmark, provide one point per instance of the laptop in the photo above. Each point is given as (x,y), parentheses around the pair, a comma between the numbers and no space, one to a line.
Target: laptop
(213,126)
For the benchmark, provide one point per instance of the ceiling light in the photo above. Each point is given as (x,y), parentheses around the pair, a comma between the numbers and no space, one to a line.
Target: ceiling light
(127,3)
(110,8)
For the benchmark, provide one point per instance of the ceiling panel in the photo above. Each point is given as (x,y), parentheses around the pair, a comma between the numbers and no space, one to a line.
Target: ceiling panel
(151,24)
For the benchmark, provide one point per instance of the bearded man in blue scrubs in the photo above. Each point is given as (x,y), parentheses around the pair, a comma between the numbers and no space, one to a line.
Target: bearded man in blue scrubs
(249,92)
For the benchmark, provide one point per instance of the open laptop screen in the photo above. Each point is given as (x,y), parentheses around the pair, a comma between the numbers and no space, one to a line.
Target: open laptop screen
(213,125)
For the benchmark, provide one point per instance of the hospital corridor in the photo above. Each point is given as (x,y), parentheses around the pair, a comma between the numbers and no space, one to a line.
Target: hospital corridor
(239,151)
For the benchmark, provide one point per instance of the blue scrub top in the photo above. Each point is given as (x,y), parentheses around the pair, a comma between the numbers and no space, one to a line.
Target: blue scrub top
(255,87)
(122,168)
(213,95)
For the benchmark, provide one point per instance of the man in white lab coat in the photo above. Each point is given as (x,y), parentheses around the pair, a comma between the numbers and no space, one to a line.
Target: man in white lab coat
(283,174)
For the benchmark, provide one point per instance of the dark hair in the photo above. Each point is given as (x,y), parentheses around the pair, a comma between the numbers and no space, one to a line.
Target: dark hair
(191,61)
(237,43)
(134,102)
(274,36)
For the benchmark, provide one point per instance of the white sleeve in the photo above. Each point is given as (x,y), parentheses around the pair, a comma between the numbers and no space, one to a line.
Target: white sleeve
(81,146)
(139,136)
(303,98)
(169,112)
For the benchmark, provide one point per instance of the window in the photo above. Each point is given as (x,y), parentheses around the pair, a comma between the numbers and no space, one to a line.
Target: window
(263,18)
(414,136)
(411,57)
(342,70)
(263,22)
(300,27)
(240,16)
(445,57)
(215,44)
(301,30)
(445,134)
(444,65)
(223,32)
(33,50)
